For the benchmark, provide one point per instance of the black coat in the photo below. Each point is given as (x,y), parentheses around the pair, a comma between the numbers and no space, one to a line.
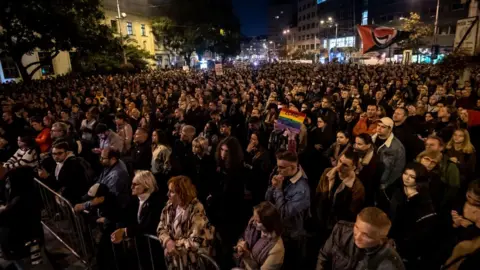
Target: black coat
(20,220)
(72,183)
(413,145)
(258,168)
(147,221)
(203,176)
(141,156)
(414,222)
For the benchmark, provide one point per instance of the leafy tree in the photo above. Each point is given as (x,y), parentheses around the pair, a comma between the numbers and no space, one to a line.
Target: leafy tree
(110,59)
(50,26)
(197,26)
(418,32)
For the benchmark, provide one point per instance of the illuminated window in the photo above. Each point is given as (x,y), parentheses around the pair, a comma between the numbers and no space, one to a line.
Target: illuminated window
(9,68)
(129,28)
(365,17)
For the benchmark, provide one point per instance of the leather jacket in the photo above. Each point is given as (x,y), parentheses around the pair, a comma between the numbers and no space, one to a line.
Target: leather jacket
(340,252)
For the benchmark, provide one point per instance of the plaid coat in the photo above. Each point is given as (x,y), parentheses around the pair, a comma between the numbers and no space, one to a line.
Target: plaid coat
(195,234)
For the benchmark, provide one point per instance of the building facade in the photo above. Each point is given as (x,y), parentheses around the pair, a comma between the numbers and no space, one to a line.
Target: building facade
(136,24)
(280,17)
(306,34)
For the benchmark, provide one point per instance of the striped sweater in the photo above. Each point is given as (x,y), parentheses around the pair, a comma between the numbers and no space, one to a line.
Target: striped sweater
(23,157)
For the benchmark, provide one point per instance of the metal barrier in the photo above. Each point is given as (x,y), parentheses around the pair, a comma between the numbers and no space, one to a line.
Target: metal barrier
(60,220)
(78,235)
(154,259)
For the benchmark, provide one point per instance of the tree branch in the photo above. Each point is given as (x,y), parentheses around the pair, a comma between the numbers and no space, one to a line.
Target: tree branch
(43,61)
(35,70)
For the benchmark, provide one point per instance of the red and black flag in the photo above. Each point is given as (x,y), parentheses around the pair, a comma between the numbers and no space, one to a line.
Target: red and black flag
(378,38)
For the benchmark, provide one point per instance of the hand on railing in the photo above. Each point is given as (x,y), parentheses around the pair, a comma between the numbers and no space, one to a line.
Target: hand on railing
(118,235)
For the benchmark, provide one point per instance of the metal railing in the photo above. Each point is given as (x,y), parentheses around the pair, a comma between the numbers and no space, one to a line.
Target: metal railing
(76,234)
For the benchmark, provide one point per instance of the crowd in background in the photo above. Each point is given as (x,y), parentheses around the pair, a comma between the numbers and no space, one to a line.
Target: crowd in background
(381,174)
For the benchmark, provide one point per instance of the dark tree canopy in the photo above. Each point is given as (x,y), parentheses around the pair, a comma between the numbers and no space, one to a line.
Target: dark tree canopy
(50,26)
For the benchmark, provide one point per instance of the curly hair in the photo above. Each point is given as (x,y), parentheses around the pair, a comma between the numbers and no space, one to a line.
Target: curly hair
(184,188)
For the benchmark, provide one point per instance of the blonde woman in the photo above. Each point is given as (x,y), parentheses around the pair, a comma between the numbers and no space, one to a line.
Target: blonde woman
(142,217)
(184,229)
(161,152)
(462,152)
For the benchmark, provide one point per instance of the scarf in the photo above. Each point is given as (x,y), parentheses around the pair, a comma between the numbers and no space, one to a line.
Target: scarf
(260,249)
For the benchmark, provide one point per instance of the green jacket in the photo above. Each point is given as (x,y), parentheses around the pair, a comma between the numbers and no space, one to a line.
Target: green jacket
(450,175)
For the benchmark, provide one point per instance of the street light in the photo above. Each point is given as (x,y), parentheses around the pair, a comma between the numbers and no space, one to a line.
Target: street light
(330,23)
(120,16)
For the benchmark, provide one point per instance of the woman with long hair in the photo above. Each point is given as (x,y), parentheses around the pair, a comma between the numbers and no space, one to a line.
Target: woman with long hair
(462,152)
(229,212)
(161,164)
(261,246)
(413,217)
(26,155)
(184,229)
(340,146)
(258,167)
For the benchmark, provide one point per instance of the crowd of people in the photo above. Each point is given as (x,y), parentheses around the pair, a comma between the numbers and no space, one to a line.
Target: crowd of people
(380,175)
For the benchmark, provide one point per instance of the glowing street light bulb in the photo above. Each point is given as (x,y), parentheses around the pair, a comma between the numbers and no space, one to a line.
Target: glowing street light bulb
(322,22)
(330,18)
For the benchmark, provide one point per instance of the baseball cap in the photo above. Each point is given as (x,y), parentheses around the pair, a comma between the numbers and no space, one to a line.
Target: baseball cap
(387,121)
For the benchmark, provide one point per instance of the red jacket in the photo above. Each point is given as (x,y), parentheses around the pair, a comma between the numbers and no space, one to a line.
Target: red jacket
(44,140)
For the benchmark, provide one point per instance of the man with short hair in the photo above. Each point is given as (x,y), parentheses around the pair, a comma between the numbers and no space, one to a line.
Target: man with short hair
(182,150)
(290,193)
(141,154)
(340,194)
(114,176)
(363,244)
(225,129)
(447,170)
(68,177)
(405,134)
(108,139)
(390,151)
(367,122)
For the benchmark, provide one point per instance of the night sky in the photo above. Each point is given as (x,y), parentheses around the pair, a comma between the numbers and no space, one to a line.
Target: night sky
(253,16)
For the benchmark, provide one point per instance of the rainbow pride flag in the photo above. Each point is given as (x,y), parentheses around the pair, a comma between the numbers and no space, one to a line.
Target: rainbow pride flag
(291,120)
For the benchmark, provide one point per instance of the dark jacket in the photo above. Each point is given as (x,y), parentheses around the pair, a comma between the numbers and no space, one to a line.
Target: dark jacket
(413,227)
(203,176)
(71,183)
(258,171)
(147,221)
(341,253)
(20,219)
(141,156)
(293,203)
(338,200)
(369,172)
(413,145)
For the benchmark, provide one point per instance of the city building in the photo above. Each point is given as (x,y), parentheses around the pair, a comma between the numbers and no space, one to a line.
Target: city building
(254,48)
(280,17)
(306,35)
(392,12)
(135,22)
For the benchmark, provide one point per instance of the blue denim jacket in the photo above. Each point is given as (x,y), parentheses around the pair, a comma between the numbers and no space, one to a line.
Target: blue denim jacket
(293,203)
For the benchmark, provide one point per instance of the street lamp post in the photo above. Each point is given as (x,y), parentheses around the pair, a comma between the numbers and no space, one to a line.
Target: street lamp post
(287,32)
(330,23)
(119,22)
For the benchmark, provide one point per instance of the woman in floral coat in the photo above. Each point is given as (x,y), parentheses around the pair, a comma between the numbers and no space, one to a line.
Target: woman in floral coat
(184,229)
